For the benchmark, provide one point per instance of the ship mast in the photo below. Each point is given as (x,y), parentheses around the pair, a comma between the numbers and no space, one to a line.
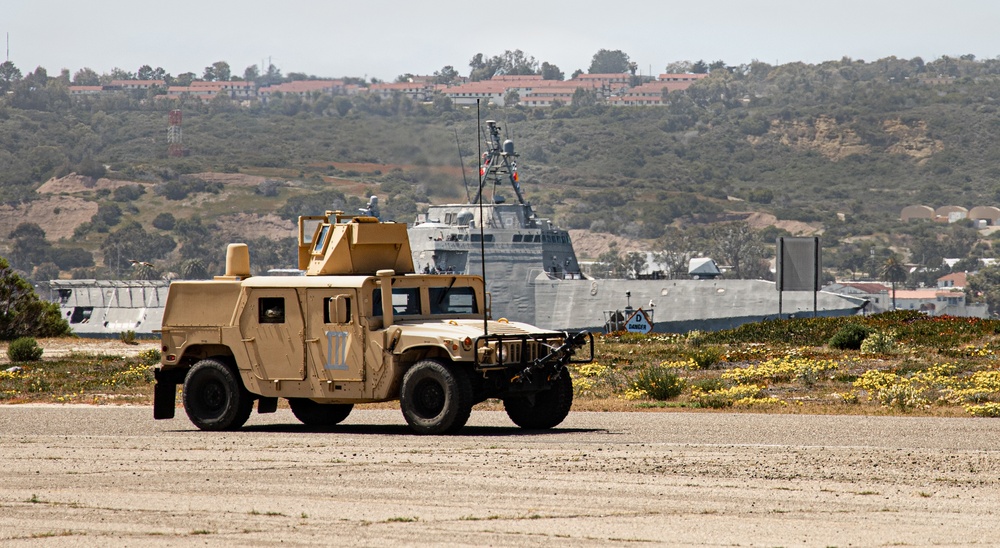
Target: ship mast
(499,160)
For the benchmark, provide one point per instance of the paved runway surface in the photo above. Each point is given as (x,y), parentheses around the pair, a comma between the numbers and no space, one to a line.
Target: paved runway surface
(81,475)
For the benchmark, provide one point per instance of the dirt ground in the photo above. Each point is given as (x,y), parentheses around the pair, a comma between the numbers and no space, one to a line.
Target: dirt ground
(85,475)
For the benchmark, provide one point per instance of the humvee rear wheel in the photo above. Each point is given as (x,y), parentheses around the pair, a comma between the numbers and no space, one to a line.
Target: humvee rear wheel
(544,409)
(215,398)
(436,398)
(319,414)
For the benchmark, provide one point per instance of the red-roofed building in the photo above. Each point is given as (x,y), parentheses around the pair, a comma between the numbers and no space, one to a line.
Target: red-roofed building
(684,78)
(418,91)
(85,90)
(650,93)
(933,301)
(487,91)
(235,90)
(955,280)
(544,96)
(303,88)
(136,84)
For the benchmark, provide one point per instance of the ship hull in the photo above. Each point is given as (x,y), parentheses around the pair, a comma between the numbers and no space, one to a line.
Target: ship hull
(678,306)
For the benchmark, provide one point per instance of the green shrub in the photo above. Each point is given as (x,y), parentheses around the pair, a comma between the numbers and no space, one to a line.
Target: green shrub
(149,357)
(128,337)
(850,337)
(24,349)
(659,383)
(878,342)
(710,384)
(706,357)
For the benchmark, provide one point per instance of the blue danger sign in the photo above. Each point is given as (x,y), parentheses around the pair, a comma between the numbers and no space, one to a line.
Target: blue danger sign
(638,323)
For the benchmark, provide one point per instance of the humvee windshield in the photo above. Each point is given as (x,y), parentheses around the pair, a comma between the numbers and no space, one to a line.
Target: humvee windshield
(443,300)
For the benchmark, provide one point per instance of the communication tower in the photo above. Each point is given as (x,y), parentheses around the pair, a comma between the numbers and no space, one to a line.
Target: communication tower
(175,145)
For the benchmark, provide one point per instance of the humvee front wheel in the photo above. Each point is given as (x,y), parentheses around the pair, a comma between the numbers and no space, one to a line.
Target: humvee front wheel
(215,398)
(319,414)
(436,398)
(544,409)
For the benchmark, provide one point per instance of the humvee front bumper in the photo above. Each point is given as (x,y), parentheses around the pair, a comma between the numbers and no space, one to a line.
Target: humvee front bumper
(531,352)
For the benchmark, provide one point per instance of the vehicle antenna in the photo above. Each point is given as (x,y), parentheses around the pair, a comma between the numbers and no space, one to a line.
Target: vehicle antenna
(465,180)
(482,235)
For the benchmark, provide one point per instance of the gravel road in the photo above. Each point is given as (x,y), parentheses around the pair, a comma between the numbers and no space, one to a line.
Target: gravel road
(81,475)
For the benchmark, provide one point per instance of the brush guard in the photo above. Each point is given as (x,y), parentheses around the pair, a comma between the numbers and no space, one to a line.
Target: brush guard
(532,357)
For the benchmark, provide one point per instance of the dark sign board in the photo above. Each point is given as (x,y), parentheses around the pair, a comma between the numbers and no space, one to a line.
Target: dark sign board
(799,265)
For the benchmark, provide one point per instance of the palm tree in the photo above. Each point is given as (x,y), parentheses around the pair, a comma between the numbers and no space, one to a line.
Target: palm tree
(893,271)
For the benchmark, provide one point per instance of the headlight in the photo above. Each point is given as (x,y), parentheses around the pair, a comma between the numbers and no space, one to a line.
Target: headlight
(501,353)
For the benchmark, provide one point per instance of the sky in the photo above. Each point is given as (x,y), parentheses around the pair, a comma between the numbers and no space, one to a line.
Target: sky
(384,39)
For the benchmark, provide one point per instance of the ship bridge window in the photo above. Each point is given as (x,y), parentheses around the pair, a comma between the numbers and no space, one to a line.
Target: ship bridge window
(453,300)
(517,238)
(271,310)
(81,314)
(64,295)
(476,238)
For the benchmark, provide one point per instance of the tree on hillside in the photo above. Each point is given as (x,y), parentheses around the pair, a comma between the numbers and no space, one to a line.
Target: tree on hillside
(132,243)
(22,313)
(447,75)
(147,72)
(699,67)
(894,272)
(737,245)
(9,74)
(984,287)
(219,71)
(184,79)
(678,67)
(86,77)
(121,74)
(609,62)
(30,247)
(272,76)
(251,73)
(551,72)
(510,62)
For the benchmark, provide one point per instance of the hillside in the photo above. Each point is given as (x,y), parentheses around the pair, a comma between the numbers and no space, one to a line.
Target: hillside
(836,149)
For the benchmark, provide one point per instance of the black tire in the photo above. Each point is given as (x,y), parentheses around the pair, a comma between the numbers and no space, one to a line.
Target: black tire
(544,409)
(436,398)
(215,398)
(319,414)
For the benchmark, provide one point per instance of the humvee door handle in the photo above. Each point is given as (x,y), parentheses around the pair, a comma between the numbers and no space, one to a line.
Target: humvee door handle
(251,339)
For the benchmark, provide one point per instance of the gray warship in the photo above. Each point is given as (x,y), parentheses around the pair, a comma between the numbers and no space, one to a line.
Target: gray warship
(532,271)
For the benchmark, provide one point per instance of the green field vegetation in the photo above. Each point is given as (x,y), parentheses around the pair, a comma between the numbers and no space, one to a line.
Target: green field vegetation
(918,365)
(909,363)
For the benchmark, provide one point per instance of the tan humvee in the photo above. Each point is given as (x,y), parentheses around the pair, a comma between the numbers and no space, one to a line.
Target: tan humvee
(359,327)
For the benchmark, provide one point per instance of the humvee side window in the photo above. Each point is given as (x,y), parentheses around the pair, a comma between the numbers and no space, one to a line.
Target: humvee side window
(405,301)
(326,309)
(454,300)
(271,310)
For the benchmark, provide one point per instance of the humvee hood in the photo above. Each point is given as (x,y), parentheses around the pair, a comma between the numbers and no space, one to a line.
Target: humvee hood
(467,327)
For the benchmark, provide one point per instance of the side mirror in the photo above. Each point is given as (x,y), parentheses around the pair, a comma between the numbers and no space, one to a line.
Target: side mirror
(339,311)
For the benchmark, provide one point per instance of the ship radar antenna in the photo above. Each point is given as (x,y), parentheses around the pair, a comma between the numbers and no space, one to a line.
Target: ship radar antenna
(461,162)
